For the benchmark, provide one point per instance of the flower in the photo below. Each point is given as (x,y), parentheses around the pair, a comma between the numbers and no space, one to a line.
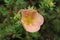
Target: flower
(51,4)
(31,20)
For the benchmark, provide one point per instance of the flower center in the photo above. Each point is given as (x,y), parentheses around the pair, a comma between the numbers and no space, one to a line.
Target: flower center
(28,20)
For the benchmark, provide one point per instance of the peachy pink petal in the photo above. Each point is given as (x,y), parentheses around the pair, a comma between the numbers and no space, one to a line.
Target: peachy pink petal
(35,25)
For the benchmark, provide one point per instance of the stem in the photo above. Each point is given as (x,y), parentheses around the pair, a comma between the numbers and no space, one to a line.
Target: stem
(27,36)
(6,19)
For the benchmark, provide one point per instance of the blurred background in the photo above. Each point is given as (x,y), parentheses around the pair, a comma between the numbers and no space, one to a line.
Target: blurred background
(11,29)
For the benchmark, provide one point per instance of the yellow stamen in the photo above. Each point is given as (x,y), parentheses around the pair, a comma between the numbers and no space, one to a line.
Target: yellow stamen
(28,20)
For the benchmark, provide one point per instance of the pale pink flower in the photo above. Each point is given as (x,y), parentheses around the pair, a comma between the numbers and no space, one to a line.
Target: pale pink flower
(31,20)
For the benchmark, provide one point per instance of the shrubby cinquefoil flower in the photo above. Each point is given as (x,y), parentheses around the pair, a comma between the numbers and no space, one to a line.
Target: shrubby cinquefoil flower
(31,20)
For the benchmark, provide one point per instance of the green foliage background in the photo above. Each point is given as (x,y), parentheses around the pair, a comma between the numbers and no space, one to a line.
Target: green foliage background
(11,29)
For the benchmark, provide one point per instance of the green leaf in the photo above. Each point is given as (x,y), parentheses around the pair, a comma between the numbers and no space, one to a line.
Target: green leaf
(18,2)
(57,25)
(2,32)
(9,2)
(4,11)
(35,35)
